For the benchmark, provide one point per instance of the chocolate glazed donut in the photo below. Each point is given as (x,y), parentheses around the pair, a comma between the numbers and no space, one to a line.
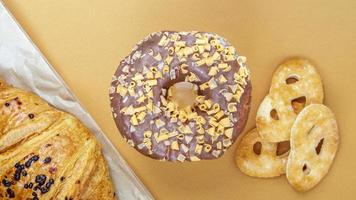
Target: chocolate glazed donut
(152,122)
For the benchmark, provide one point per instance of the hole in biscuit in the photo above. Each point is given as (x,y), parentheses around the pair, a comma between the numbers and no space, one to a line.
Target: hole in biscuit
(257,147)
(282,148)
(319,146)
(306,169)
(274,114)
(298,104)
(291,80)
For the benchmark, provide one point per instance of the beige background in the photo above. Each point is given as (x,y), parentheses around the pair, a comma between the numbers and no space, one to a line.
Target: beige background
(85,40)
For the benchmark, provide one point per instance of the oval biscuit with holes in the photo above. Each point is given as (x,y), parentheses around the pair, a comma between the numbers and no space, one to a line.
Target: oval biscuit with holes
(314,143)
(258,158)
(295,84)
(297,75)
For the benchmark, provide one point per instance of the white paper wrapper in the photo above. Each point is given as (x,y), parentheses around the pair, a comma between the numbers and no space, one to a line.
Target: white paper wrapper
(22,65)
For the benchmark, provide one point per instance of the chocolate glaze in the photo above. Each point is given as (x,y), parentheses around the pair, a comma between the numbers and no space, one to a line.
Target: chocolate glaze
(143,55)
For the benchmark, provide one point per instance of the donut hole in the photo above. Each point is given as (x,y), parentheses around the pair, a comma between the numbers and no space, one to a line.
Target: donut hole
(274,114)
(291,80)
(298,104)
(306,169)
(319,146)
(257,148)
(184,94)
(283,148)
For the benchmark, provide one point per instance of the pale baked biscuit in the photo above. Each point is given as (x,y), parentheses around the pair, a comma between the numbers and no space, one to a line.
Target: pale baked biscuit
(295,84)
(314,143)
(258,158)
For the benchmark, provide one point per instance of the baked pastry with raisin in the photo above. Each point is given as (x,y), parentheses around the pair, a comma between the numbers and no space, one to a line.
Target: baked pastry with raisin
(46,153)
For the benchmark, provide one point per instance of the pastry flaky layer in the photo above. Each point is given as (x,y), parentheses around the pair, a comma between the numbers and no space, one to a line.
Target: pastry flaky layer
(46,153)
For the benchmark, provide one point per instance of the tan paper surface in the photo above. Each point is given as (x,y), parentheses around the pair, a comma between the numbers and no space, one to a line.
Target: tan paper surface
(85,40)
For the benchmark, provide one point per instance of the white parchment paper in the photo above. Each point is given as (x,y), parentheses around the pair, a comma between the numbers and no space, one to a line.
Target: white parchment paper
(22,65)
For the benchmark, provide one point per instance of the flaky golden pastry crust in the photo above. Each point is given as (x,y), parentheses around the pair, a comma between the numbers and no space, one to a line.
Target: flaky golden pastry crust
(46,153)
